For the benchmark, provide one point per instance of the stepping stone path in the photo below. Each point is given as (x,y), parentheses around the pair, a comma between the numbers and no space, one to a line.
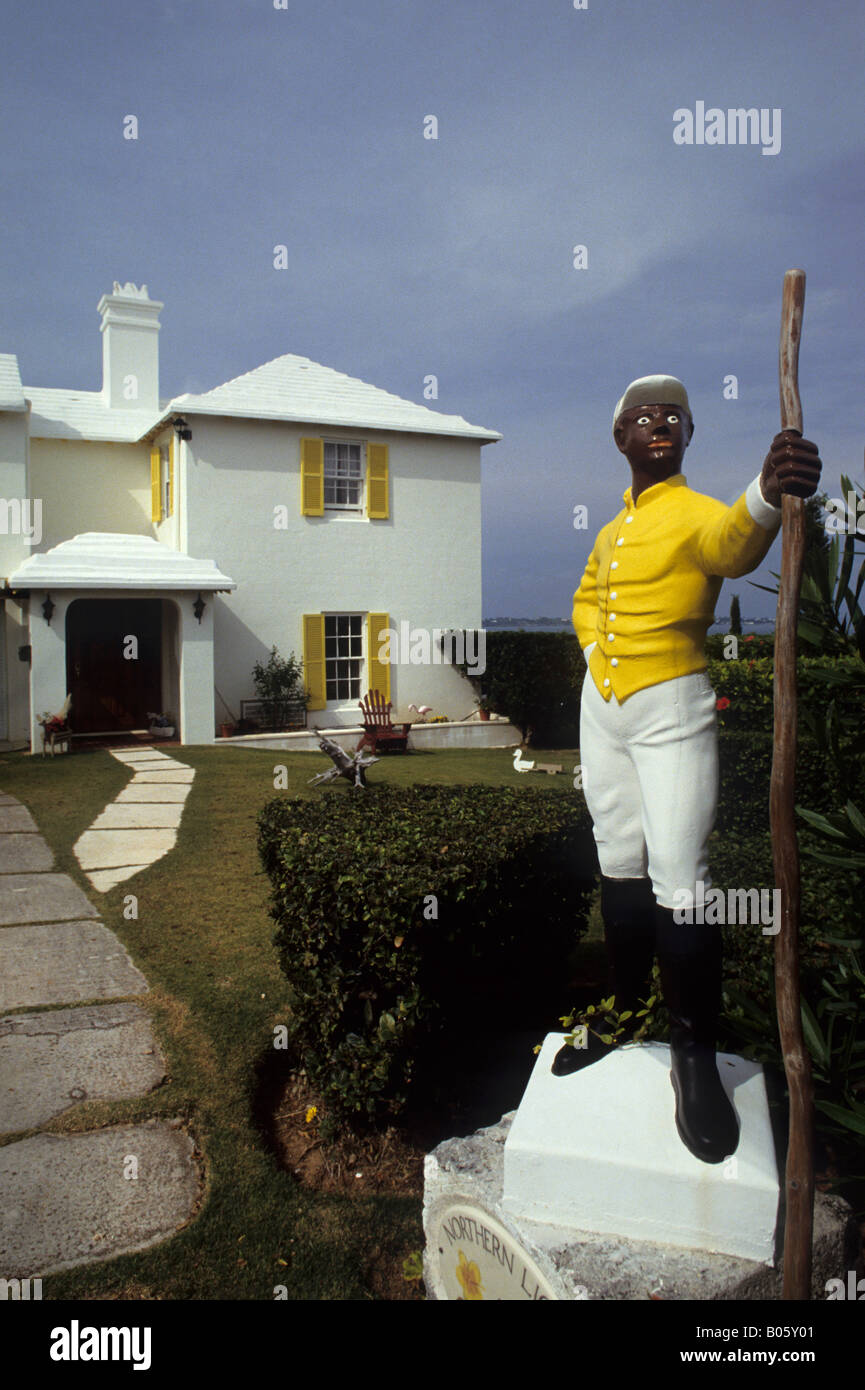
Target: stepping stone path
(140,825)
(78,1198)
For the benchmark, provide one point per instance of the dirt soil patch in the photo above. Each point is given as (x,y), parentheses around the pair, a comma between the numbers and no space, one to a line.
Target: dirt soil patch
(389,1162)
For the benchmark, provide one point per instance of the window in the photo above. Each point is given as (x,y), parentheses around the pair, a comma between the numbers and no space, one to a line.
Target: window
(343,655)
(161,481)
(343,475)
(165,453)
(333,478)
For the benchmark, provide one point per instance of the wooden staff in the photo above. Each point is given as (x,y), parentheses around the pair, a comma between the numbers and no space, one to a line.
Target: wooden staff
(799,1178)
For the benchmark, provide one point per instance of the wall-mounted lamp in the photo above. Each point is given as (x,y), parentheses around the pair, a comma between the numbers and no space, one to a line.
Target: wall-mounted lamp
(181,429)
(198,607)
(48,608)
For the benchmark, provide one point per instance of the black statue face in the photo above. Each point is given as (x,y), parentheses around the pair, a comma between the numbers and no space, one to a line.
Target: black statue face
(654,438)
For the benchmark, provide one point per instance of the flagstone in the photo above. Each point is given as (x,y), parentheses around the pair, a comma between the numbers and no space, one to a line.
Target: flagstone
(139,755)
(165,792)
(104,880)
(108,849)
(79,1198)
(168,776)
(24,854)
(150,815)
(16,818)
(64,963)
(41,897)
(53,1060)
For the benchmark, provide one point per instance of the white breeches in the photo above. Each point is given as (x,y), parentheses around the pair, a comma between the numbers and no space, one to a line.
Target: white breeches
(650,777)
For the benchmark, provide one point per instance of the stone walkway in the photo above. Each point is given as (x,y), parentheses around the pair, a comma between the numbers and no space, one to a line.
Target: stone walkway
(73,1199)
(140,825)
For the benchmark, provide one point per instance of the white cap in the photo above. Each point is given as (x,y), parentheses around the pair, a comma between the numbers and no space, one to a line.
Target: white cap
(654,390)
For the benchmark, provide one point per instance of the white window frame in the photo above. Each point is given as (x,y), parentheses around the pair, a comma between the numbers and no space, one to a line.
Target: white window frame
(336,444)
(360,659)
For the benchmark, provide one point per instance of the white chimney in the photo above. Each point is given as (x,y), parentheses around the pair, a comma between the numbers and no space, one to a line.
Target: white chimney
(130,348)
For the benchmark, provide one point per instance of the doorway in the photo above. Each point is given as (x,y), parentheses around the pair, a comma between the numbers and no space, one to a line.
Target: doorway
(113,663)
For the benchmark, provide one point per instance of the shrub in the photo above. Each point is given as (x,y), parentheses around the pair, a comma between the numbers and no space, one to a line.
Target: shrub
(534,679)
(279,686)
(396,907)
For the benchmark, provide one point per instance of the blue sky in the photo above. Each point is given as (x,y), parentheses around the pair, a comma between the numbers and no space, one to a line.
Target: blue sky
(304,126)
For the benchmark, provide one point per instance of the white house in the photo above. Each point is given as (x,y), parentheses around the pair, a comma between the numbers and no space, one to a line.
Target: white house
(152,551)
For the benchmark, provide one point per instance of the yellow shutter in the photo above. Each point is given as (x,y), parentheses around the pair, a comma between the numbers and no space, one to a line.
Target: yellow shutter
(313,659)
(172,462)
(376,636)
(312,478)
(155,479)
(376,482)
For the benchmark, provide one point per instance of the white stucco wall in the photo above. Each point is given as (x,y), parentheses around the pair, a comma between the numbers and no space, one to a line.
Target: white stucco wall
(86,485)
(422,565)
(17,514)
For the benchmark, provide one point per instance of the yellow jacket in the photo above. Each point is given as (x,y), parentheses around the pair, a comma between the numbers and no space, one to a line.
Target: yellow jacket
(648,594)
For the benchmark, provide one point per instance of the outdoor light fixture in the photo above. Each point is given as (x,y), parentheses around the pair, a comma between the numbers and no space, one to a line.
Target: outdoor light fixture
(48,608)
(181,429)
(198,607)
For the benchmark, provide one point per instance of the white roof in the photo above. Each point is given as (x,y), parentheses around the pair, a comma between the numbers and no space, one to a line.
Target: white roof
(57,414)
(106,560)
(11,390)
(295,388)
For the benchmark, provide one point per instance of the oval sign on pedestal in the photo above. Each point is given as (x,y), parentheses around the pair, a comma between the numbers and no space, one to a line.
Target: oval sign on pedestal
(474,1259)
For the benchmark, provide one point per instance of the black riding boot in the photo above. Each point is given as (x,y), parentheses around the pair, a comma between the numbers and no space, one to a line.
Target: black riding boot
(690,959)
(627,907)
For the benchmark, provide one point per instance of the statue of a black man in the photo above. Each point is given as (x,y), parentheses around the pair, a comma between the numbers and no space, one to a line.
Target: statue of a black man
(648,726)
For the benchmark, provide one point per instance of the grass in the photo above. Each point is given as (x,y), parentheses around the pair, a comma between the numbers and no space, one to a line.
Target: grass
(196,923)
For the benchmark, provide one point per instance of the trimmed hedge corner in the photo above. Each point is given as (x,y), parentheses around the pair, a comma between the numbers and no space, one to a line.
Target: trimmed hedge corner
(396,907)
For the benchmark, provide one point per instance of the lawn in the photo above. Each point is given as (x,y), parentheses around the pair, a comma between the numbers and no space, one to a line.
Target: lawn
(202,937)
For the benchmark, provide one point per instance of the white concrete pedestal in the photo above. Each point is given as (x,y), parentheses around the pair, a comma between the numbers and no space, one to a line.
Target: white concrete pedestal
(566,1159)
(599,1152)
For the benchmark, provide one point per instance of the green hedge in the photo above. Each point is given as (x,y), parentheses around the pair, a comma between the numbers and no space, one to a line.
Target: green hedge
(747,682)
(741,855)
(373,973)
(535,679)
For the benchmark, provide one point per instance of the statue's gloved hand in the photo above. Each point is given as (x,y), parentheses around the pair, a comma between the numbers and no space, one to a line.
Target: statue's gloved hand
(792,465)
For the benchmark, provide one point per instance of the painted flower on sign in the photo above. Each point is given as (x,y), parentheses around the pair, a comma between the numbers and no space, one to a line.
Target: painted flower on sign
(469,1277)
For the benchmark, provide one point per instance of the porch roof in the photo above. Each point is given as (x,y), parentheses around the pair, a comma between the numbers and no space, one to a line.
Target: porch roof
(108,560)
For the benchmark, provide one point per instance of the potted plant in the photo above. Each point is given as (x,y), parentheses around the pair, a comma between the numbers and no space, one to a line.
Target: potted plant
(161,725)
(483,708)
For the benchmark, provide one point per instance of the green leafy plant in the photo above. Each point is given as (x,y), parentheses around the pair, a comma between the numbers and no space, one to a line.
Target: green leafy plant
(833,1023)
(279,685)
(831,619)
(605,1022)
